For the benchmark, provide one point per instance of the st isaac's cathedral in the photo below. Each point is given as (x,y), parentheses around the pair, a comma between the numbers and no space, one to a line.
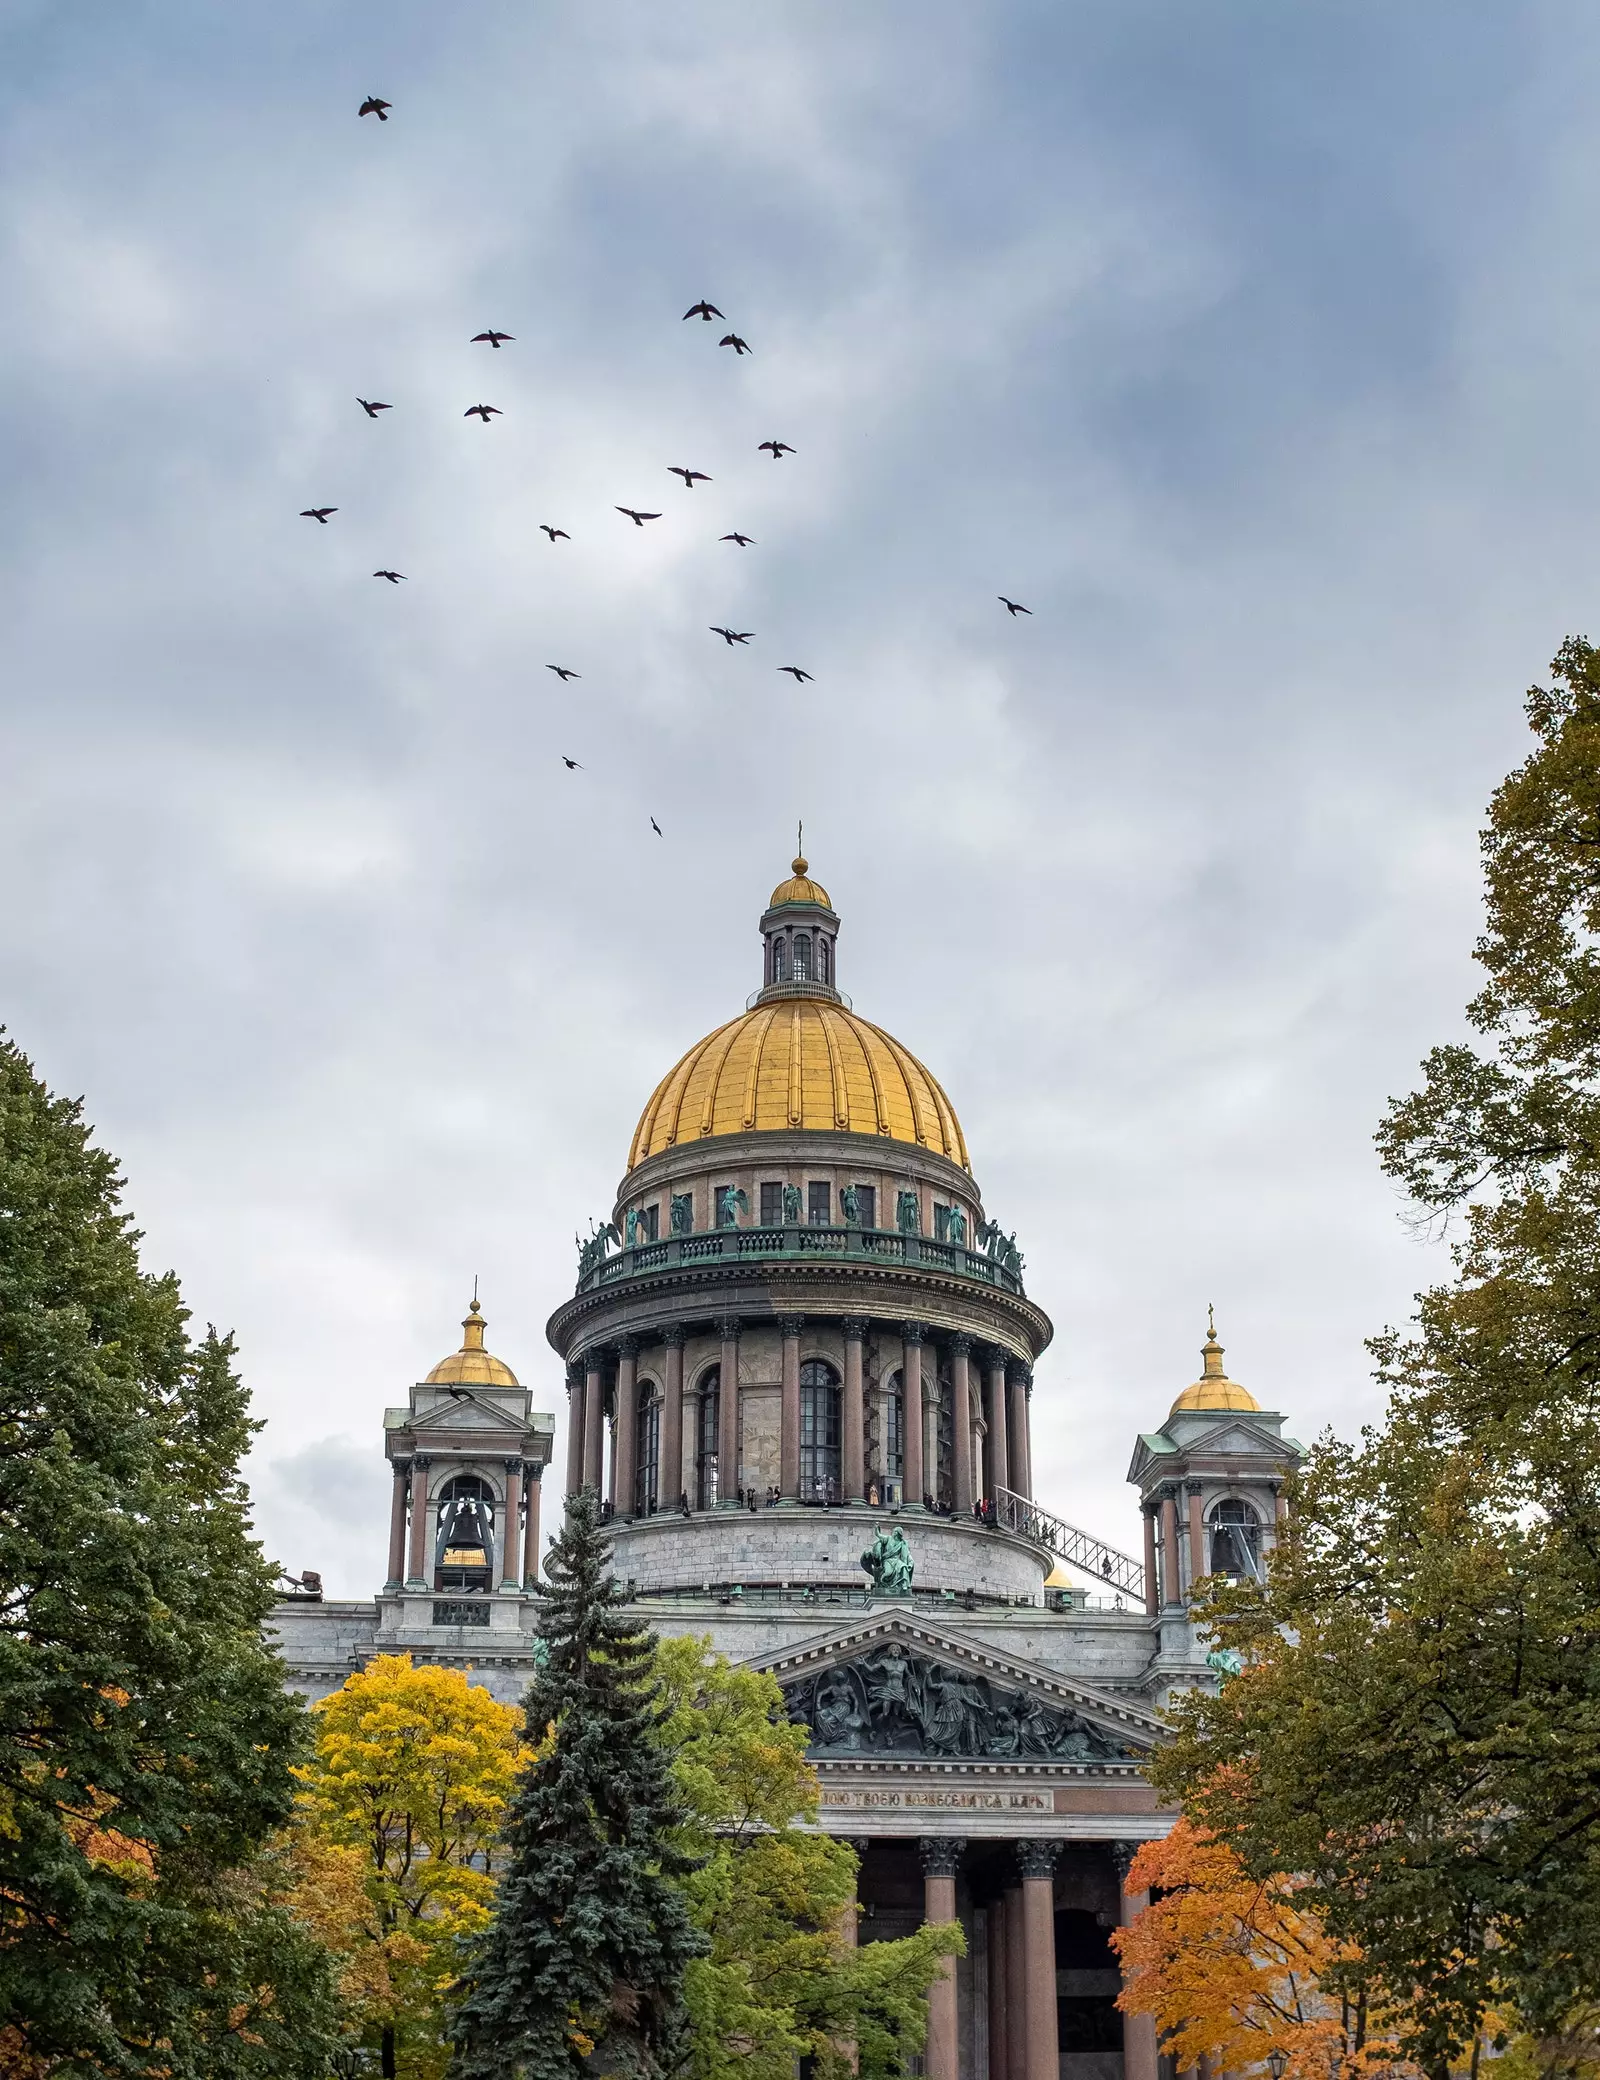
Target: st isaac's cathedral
(799,1366)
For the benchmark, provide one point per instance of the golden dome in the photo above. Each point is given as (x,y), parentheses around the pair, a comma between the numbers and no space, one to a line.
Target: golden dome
(1213,1389)
(800,888)
(798,1062)
(472,1365)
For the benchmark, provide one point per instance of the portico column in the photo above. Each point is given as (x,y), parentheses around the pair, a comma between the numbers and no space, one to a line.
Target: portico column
(1016,1988)
(1038,1861)
(852,1456)
(999,1993)
(510,1580)
(397,1523)
(415,1578)
(671,1473)
(1017,1432)
(530,1527)
(627,1452)
(911,1479)
(999,1454)
(961,1400)
(594,1418)
(728,1415)
(789,1407)
(574,1429)
(941,1857)
(1140,2056)
(1152,1593)
(1197,1536)
(1171,1591)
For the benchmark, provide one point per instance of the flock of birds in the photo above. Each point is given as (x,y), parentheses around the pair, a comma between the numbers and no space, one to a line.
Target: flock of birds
(374,105)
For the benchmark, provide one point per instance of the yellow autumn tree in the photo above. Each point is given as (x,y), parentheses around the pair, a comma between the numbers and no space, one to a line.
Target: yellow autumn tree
(1231,1967)
(394,1843)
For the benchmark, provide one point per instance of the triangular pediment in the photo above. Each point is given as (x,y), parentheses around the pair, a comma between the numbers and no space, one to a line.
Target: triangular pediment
(898,1684)
(476,1416)
(1236,1435)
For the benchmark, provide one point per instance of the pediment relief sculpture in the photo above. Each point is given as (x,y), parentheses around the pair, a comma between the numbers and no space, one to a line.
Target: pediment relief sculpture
(890,1702)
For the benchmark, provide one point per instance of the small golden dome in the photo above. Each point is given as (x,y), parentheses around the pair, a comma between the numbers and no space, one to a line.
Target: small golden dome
(800,888)
(798,1063)
(472,1365)
(1213,1389)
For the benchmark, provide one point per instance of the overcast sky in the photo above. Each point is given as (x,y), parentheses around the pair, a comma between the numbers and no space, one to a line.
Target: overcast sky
(1252,346)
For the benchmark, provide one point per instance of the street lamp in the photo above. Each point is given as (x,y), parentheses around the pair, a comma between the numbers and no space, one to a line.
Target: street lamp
(1276,2061)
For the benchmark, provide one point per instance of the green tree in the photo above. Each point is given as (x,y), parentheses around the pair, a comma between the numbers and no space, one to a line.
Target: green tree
(582,1969)
(394,1843)
(776,1983)
(145,1738)
(1418,1730)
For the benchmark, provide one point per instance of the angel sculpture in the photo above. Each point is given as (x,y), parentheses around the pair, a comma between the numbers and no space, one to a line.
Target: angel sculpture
(732,1200)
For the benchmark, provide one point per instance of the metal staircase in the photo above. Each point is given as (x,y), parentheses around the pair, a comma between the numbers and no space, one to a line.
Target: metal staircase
(1072,1547)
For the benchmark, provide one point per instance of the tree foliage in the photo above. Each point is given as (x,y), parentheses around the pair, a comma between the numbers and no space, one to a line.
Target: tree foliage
(582,1969)
(394,1844)
(145,1738)
(776,1983)
(1419,1729)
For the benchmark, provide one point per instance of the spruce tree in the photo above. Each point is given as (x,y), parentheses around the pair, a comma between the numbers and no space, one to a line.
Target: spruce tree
(581,1970)
(146,1742)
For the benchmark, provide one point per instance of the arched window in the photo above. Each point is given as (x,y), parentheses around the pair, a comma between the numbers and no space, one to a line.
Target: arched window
(705,1443)
(777,960)
(819,1432)
(464,1548)
(802,958)
(894,1431)
(942,1460)
(822,960)
(1235,1540)
(647,1450)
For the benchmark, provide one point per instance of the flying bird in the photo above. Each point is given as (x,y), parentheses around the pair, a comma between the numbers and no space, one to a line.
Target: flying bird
(485,412)
(794,672)
(776,449)
(372,106)
(732,635)
(660,833)
(732,339)
(690,477)
(372,410)
(571,764)
(638,519)
(394,577)
(563,672)
(556,534)
(1012,607)
(318,513)
(744,540)
(494,339)
(708,311)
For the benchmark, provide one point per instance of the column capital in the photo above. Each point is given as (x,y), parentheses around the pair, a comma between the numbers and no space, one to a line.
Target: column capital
(854,1328)
(575,1377)
(996,1357)
(402,1469)
(792,1324)
(513,1467)
(1020,1373)
(1037,1859)
(627,1346)
(675,1336)
(1122,1855)
(420,1463)
(533,1469)
(1194,1487)
(960,1343)
(1168,1491)
(941,1854)
(1149,1505)
(913,1332)
(594,1359)
(728,1327)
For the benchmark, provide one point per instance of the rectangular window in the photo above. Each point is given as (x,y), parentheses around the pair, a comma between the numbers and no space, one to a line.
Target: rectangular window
(650,1222)
(867,1201)
(941,1222)
(772,1206)
(819,1203)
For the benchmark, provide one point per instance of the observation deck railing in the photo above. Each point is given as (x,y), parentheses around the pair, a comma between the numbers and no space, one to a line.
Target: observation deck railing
(1074,1548)
(884,1246)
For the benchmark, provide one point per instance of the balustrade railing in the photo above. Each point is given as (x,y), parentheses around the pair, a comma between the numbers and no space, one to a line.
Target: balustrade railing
(1074,1548)
(801,1239)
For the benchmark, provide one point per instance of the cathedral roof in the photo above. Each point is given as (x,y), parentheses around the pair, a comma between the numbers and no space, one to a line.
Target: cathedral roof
(472,1365)
(799,888)
(1213,1389)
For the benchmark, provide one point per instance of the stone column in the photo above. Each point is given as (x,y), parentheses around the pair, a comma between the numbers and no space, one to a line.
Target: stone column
(1017,1432)
(594,1418)
(530,1526)
(999,1456)
(853,1448)
(789,1408)
(1038,1861)
(1171,1590)
(961,1406)
(728,1415)
(574,1430)
(941,1857)
(1152,1593)
(1016,1988)
(418,1560)
(671,1476)
(626,1457)
(999,1994)
(397,1524)
(510,1555)
(1140,2052)
(1197,1535)
(912,1481)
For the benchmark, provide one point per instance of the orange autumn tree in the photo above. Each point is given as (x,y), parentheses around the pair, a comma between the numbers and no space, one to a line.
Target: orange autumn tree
(1232,1968)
